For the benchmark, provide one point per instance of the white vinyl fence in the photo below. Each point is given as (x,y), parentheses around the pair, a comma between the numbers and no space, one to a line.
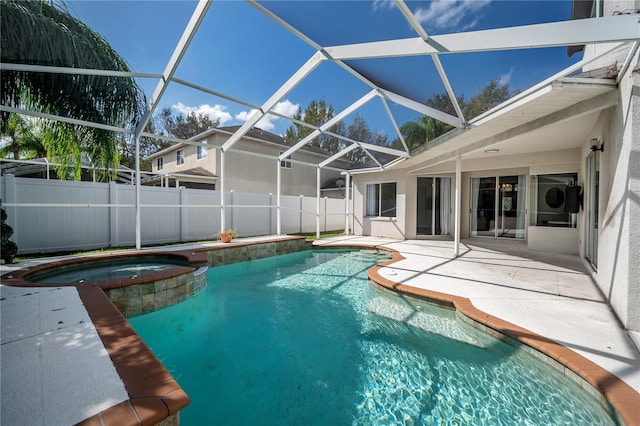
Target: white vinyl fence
(52,215)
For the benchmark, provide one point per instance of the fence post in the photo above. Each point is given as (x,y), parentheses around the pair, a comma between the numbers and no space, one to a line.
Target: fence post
(113,214)
(183,214)
(325,214)
(270,212)
(232,203)
(300,212)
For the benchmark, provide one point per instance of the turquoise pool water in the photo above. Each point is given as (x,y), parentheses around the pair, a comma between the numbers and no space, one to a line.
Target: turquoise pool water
(106,269)
(303,339)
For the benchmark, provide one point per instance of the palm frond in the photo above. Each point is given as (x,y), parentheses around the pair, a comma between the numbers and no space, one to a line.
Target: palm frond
(39,33)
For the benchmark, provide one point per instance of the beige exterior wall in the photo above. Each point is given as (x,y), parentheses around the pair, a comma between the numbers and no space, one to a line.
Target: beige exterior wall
(404,225)
(618,271)
(250,173)
(392,227)
(190,160)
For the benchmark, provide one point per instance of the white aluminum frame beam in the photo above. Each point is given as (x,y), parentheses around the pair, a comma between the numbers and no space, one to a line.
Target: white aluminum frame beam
(288,86)
(321,50)
(330,123)
(181,48)
(75,71)
(457,204)
(214,93)
(422,108)
(555,34)
(337,155)
(384,149)
(375,160)
(400,4)
(318,170)
(189,32)
(395,123)
(346,202)
(65,119)
(372,147)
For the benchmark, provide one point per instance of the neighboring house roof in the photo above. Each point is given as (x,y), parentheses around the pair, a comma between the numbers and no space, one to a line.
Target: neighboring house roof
(255,134)
(195,174)
(198,171)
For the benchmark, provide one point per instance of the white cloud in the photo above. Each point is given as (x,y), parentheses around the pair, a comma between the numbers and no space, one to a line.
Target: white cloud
(448,14)
(215,112)
(382,4)
(506,78)
(285,107)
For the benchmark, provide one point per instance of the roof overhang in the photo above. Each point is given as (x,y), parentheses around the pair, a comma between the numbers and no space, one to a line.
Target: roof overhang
(511,124)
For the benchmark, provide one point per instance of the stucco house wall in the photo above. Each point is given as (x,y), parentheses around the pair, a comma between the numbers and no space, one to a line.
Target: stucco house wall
(253,173)
(618,274)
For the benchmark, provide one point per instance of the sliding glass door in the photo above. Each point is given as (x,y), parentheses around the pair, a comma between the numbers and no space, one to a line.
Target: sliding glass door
(498,207)
(433,215)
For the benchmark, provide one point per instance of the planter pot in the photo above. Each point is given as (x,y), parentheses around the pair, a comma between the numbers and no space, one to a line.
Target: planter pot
(225,238)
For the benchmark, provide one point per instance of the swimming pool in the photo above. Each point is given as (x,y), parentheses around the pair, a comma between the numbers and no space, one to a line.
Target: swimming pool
(303,339)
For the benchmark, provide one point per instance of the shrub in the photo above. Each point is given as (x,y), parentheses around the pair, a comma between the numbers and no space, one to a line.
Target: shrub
(8,249)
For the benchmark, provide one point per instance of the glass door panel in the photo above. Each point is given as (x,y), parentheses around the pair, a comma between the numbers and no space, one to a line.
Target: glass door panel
(424,216)
(511,207)
(498,207)
(483,207)
(433,214)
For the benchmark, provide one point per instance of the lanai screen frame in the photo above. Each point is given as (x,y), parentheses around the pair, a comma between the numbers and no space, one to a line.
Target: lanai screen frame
(622,30)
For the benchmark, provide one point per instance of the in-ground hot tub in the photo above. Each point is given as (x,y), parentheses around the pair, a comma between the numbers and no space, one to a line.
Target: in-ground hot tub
(136,282)
(107,269)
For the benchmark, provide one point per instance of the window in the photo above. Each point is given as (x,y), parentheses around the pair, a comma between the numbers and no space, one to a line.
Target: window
(201,152)
(159,163)
(180,157)
(381,199)
(286,163)
(554,200)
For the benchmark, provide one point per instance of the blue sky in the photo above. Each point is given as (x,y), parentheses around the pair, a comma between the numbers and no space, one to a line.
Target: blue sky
(244,54)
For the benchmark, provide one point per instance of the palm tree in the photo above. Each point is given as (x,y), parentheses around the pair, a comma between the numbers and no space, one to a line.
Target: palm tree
(21,139)
(38,32)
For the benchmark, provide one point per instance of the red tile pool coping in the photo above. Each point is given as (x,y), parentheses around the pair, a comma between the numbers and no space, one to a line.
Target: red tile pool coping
(154,395)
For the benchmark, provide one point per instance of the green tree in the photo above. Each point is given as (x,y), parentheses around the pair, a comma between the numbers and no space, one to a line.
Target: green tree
(148,146)
(21,139)
(425,128)
(184,126)
(316,113)
(359,130)
(36,32)
(489,96)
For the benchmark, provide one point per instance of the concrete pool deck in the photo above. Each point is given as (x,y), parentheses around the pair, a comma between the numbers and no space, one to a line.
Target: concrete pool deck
(549,294)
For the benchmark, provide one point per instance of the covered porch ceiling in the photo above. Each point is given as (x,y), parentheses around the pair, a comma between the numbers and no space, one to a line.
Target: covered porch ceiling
(558,116)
